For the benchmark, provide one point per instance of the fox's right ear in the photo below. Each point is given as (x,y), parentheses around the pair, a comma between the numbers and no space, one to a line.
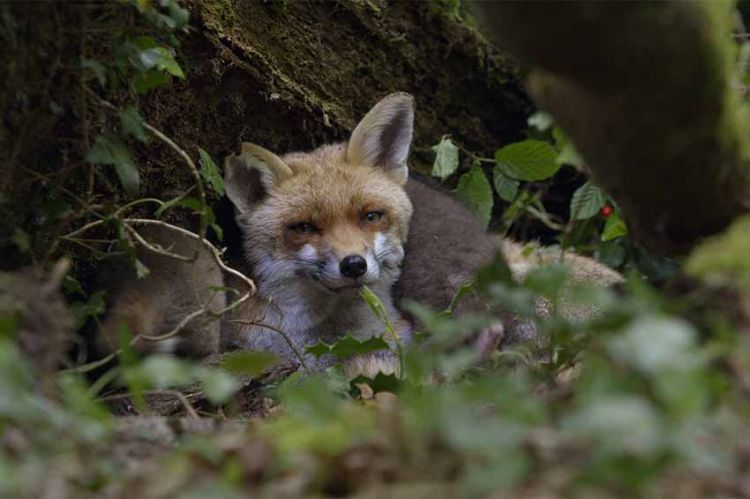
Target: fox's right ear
(249,175)
(383,137)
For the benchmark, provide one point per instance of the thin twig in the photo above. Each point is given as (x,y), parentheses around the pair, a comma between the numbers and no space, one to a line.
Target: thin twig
(174,393)
(283,335)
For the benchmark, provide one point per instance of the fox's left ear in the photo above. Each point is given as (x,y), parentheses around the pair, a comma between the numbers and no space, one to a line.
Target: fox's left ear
(383,137)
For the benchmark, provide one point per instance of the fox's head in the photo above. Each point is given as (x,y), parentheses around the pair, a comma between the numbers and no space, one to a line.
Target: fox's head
(335,218)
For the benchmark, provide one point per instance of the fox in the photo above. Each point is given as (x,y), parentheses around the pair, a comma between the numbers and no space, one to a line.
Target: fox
(318,227)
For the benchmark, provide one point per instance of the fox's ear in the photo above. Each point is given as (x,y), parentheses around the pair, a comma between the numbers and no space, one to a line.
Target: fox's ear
(383,137)
(250,175)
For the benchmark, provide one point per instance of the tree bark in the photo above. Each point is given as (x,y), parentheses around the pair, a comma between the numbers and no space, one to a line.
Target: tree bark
(644,90)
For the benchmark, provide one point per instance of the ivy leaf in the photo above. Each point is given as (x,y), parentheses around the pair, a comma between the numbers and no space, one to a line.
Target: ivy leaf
(132,123)
(614,228)
(475,192)
(380,383)
(446,159)
(248,363)
(110,150)
(210,172)
(162,59)
(528,160)
(149,80)
(506,187)
(586,202)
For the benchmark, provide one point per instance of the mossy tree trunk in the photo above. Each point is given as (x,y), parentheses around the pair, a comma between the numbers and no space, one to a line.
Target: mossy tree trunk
(645,91)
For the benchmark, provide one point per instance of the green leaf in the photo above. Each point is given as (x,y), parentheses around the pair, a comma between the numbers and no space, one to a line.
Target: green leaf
(614,228)
(348,346)
(210,172)
(149,80)
(132,123)
(110,150)
(529,160)
(586,202)
(192,203)
(248,363)
(162,59)
(506,187)
(446,159)
(92,308)
(475,192)
(218,231)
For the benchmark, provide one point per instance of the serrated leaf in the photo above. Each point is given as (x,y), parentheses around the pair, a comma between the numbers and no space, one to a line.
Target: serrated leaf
(446,159)
(210,172)
(348,346)
(475,192)
(248,363)
(132,123)
(506,187)
(528,160)
(614,228)
(110,150)
(586,202)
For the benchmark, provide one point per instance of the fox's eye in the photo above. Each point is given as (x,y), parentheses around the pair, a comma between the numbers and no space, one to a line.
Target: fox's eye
(303,228)
(373,216)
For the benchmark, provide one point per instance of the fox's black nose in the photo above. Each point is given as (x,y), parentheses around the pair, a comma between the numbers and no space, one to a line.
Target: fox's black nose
(353,266)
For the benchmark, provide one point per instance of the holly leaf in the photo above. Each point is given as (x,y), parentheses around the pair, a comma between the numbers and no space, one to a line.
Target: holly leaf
(348,346)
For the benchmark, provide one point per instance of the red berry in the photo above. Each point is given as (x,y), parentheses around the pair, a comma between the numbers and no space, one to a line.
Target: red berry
(606,210)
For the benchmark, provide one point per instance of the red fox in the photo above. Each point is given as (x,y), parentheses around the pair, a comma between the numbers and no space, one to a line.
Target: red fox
(318,227)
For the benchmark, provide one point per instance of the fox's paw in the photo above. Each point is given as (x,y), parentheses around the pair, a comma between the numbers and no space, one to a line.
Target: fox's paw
(370,364)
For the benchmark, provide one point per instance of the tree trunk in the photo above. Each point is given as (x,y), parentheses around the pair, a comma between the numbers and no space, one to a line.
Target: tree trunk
(644,90)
